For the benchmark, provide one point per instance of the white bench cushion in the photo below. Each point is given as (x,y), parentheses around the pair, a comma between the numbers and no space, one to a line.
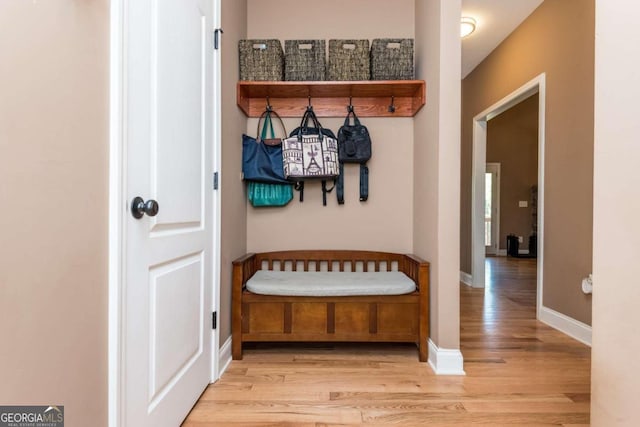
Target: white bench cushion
(328,284)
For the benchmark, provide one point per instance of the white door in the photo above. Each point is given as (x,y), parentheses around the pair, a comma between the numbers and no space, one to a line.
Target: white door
(168,281)
(492,209)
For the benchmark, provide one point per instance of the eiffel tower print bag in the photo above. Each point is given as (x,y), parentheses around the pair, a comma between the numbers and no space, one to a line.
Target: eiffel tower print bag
(310,152)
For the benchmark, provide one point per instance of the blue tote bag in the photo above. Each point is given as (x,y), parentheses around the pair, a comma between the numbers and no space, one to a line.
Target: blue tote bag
(262,156)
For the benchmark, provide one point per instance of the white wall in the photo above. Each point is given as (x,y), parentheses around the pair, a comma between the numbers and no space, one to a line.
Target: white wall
(616,317)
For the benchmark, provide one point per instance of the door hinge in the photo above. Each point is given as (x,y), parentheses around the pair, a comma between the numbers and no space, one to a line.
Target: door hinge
(214,320)
(216,38)
(215,180)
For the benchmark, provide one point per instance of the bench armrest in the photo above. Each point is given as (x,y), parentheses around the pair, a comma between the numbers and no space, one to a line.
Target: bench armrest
(417,269)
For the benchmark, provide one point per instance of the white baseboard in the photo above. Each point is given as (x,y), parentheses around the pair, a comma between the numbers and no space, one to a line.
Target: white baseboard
(565,324)
(444,361)
(224,358)
(466,278)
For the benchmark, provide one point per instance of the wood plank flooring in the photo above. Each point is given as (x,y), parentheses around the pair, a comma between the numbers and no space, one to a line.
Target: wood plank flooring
(519,372)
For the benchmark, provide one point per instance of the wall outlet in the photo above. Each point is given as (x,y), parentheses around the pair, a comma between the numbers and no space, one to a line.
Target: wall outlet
(520,239)
(523,204)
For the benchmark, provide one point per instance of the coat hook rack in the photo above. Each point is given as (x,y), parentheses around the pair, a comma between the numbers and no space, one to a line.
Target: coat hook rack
(392,107)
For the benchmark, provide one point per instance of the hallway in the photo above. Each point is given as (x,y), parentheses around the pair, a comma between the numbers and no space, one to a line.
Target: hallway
(519,372)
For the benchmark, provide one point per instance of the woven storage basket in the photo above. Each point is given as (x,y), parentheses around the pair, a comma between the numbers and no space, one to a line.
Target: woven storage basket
(261,60)
(392,59)
(348,60)
(304,60)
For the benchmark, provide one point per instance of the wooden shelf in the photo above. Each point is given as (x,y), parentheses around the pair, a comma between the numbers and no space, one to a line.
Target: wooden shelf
(370,98)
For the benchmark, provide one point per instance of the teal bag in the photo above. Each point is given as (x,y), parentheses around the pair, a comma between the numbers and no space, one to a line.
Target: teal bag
(263,194)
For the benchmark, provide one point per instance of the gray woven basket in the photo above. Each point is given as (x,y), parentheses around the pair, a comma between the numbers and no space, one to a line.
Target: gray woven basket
(304,60)
(392,59)
(348,60)
(261,60)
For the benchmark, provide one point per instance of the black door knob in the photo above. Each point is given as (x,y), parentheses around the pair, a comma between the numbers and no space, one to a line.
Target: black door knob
(139,207)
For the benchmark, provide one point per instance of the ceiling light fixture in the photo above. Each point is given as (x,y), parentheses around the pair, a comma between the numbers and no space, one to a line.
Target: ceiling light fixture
(467,26)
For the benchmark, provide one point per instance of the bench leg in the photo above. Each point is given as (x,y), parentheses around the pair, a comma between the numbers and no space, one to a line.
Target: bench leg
(236,348)
(423,351)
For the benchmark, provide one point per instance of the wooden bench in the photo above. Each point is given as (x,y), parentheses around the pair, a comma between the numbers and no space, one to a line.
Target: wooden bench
(370,318)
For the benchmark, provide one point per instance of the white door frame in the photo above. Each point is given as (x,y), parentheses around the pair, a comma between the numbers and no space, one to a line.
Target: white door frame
(495,229)
(536,85)
(118,208)
(217,198)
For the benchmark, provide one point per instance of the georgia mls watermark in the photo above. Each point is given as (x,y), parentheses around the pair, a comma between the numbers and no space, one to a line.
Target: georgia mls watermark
(32,416)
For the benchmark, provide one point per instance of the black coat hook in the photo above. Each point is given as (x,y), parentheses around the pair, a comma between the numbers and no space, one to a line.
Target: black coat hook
(350,106)
(392,107)
(269,108)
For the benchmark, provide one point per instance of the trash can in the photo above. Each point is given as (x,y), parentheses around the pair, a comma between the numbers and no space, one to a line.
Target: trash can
(512,245)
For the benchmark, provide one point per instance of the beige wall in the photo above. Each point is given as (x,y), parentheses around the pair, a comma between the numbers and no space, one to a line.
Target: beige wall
(436,194)
(234,216)
(512,141)
(558,39)
(384,222)
(616,343)
(330,19)
(53,206)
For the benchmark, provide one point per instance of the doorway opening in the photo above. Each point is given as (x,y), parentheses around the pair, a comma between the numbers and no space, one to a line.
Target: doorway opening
(497,235)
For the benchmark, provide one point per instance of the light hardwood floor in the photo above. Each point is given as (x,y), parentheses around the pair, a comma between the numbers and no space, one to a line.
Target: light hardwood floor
(519,372)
